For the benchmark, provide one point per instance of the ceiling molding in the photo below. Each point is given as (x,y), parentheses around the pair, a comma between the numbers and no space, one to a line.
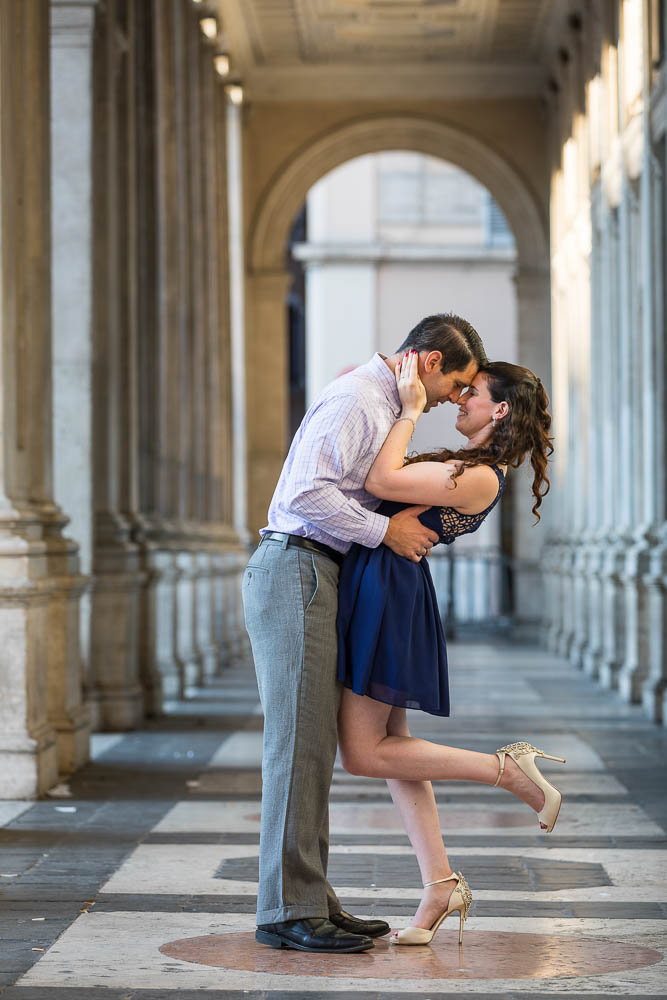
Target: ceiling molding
(405,82)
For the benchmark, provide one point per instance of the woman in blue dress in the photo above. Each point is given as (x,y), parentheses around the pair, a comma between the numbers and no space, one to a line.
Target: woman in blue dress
(391,646)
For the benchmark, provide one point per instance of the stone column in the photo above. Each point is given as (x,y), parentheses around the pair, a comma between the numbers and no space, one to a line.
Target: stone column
(155,520)
(633,397)
(600,394)
(155,610)
(639,677)
(556,555)
(613,616)
(654,692)
(118,575)
(185,235)
(565,455)
(205,375)
(582,423)
(243,388)
(72,229)
(162,373)
(43,724)
(533,320)
(227,372)
(653,527)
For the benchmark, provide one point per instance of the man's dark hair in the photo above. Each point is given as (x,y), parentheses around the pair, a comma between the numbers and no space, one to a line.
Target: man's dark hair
(455,338)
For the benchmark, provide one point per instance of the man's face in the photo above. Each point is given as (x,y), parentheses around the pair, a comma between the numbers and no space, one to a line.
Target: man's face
(443,388)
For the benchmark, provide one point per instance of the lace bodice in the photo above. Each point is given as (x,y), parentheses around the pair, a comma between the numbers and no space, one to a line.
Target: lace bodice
(446,521)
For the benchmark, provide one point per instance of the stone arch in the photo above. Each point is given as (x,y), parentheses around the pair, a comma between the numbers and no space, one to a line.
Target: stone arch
(290,186)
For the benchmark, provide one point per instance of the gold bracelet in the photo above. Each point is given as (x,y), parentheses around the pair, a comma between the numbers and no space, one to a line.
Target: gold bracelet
(413,422)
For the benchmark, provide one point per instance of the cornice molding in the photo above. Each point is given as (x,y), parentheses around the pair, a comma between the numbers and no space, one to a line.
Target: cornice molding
(401,253)
(336,83)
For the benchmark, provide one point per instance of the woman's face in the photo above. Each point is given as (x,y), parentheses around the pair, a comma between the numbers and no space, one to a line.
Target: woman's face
(476,410)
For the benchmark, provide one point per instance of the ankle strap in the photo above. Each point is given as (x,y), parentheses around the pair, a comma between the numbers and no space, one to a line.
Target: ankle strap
(500,754)
(449,878)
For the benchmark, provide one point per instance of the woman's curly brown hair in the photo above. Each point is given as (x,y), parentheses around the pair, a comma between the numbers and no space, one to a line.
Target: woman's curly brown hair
(525,429)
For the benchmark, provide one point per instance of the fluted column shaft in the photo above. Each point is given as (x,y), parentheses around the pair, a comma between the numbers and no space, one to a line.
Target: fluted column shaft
(532,291)
(118,575)
(71,189)
(237,299)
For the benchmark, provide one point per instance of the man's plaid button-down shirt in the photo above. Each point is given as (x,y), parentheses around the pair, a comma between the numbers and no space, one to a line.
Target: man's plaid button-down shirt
(320,493)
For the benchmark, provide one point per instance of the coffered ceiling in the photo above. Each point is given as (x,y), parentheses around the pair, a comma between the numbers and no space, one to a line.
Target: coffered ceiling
(286,49)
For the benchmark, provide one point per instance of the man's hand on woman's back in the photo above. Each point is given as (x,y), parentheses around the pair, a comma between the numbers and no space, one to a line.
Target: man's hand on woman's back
(407,536)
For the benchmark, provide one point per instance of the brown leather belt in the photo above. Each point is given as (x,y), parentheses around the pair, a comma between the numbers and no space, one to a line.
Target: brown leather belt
(303,543)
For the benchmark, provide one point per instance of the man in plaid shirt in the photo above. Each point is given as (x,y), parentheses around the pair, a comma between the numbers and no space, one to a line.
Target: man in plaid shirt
(290,594)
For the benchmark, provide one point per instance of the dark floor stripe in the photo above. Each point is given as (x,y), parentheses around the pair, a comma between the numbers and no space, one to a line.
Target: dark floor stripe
(453,840)
(67,993)
(598,909)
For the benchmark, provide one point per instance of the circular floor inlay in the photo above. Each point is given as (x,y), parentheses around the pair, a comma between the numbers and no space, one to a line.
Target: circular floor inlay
(485,955)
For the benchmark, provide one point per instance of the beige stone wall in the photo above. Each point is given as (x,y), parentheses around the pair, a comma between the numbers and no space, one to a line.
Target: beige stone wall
(275,132)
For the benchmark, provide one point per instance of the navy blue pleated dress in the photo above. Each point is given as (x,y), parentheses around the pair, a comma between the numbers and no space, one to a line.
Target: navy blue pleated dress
(391,645)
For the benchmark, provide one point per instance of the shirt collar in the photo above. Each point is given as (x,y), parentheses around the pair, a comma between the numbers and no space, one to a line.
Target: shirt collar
(387,380)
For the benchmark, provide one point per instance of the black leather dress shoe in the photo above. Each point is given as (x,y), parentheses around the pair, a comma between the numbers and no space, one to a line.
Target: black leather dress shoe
(311,934)
(353,925)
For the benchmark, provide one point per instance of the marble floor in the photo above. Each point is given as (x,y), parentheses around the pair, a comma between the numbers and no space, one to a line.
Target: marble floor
(141,882)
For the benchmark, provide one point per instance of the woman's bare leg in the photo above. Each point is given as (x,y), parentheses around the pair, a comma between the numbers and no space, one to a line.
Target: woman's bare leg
(368,748)
(416,805)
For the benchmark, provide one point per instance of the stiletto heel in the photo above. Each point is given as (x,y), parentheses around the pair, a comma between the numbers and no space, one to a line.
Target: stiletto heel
(460,901)
(523,755)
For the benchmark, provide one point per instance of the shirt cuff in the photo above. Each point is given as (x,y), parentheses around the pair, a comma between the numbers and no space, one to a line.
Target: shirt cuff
(374,530)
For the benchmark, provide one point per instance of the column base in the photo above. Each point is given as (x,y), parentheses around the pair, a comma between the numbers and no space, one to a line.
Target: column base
(608,675)
(73,739)
(121,711)
(28,764)
(114,638)
(631,683)
(654,700)
(590,663)
(526,631)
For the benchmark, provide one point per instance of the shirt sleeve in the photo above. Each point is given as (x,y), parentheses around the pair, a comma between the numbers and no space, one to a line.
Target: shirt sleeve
(338,438)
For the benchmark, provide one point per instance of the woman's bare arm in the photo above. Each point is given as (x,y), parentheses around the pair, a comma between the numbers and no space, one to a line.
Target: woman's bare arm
(431,483)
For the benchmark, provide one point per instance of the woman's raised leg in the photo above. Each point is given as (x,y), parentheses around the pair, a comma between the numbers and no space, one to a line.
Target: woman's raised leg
(367,748)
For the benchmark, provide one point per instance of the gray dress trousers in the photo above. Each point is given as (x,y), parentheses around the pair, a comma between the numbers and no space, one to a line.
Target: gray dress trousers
(290,598)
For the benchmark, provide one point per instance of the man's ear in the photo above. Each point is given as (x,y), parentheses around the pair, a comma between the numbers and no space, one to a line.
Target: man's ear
(432,361)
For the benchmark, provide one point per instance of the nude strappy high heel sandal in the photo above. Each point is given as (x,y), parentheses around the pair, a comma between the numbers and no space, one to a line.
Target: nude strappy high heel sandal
(460,900)
(523,755)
